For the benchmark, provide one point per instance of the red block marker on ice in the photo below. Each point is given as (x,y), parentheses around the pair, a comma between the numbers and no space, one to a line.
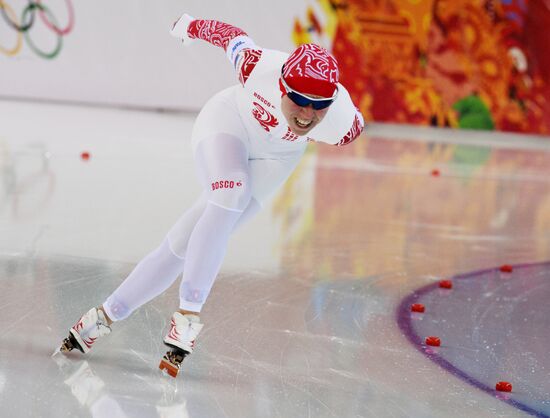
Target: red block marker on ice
(506,268)
(504,387)
(446,284)
(85,156)
(417,307)
(433,341)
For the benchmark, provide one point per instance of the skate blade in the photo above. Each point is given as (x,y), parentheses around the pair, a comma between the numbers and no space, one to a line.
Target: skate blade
(65,347)
(169,368)
(61,350)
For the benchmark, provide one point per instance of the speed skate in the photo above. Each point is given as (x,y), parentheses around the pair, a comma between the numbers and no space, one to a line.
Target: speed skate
(82,335)
(172,360)
(181,340)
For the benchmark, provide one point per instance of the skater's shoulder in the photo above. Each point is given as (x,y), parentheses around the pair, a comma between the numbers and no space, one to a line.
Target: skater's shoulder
(267,60)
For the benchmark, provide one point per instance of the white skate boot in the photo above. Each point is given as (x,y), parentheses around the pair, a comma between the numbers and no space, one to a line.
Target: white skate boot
(86,331)
(181,339)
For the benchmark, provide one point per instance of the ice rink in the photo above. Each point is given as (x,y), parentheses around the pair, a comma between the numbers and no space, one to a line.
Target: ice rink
(310,316)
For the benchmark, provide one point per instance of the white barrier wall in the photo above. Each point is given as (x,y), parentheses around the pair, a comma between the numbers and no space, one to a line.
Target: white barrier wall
(120,53)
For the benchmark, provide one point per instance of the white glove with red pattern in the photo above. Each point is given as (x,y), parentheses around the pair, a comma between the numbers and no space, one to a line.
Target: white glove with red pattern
(179,29)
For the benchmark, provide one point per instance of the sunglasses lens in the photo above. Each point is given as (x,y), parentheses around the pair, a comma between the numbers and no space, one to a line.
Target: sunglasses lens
(303,101)
(323,104)
(298,99)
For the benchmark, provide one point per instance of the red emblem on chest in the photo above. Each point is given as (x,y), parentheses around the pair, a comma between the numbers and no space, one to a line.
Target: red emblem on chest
(290,136)
(266,119)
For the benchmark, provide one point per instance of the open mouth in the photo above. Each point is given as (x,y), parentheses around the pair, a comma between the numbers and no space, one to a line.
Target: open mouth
(301,123)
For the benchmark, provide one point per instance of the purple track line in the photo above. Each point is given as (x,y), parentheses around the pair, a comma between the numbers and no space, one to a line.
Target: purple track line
(403,315)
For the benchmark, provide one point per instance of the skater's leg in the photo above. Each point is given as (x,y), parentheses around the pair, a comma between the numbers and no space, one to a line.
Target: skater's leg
(154,273)
(157,271)
(251,210)
(224,172)
(207,247)
(179,234)
(223,168)
(152,276)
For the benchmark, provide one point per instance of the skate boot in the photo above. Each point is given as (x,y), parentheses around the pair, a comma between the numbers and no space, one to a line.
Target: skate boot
(181,339)
(86,331)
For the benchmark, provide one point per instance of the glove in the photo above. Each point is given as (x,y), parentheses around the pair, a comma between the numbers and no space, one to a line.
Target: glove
(179,29)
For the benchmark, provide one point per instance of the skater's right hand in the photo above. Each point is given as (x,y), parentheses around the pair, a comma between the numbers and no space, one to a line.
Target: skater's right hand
(179,29)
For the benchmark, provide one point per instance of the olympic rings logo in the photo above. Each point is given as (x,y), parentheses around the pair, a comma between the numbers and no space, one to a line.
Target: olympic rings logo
(28,18)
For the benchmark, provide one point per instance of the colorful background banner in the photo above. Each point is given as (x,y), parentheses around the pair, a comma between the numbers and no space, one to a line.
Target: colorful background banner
(473,64)
(476,64)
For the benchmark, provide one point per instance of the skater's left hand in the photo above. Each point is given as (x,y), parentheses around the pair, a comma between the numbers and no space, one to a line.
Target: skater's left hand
(179,29)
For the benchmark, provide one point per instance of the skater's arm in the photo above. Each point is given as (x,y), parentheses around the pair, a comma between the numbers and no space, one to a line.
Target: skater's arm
(238,46)
(215,32)
(342,124)
(355,130)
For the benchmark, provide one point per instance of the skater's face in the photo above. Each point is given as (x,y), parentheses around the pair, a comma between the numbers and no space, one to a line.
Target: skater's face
(301,119)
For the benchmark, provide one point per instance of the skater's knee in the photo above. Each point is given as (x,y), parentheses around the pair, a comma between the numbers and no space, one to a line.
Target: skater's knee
(233,192)
(171,252)
(177,243)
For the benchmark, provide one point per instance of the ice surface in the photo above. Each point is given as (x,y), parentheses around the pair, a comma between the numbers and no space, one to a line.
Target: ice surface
(302,321)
